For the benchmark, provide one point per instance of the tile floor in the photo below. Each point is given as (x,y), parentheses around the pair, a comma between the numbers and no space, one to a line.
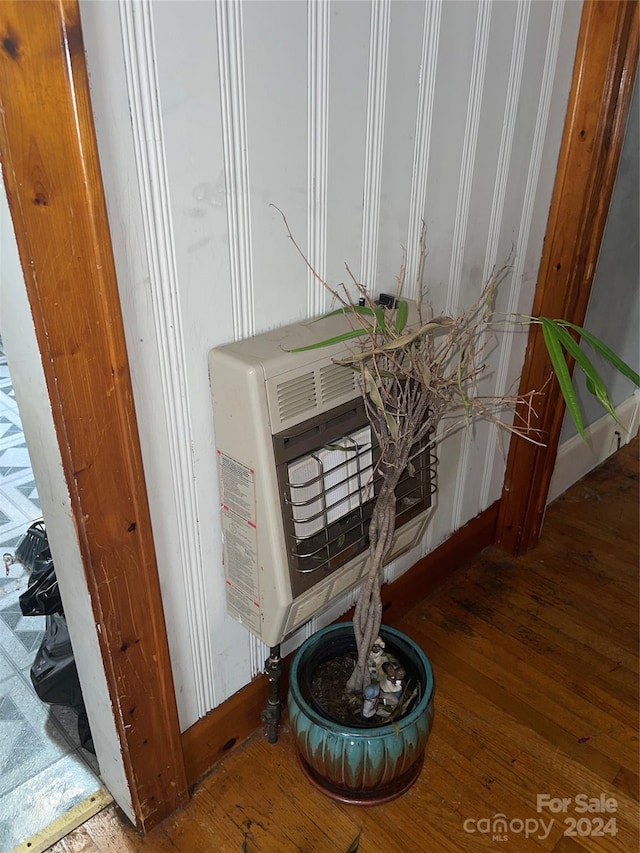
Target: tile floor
(43,770)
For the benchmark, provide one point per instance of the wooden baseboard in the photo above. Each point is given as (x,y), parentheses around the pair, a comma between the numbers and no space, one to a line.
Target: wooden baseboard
(232,722)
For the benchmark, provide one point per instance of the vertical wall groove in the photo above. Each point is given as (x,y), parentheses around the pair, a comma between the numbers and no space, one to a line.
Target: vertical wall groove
(236,162)
(506,138)
(420,168)
(317,148)
(497,204)
(258,654)
(472,123)
(478,65)
(142,84)
(374,141)
(544,103)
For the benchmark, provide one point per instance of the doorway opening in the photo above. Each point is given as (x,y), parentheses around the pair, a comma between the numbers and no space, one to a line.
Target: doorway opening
(44,770)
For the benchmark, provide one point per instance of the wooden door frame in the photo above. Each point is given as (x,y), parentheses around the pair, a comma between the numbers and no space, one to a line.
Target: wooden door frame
(602,86)
(55,193)
(54,186)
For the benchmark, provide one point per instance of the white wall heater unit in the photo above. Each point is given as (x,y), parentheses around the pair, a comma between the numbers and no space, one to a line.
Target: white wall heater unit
(296,467)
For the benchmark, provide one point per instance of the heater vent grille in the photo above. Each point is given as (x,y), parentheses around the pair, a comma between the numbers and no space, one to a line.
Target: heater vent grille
(335,382)
(297,396)
(328,479)
(325,486)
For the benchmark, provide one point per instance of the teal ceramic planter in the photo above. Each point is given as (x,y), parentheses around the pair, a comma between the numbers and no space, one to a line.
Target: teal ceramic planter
(359,764)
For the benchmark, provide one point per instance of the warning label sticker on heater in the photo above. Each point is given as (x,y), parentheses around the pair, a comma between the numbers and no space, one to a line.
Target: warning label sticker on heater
(240,540)
(238,488)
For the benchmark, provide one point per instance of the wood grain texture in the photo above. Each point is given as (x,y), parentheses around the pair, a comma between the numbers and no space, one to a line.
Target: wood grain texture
(604,73)
(55,192)
(536,667)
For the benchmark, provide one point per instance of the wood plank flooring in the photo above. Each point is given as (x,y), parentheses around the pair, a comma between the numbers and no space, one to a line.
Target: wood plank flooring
(536,664)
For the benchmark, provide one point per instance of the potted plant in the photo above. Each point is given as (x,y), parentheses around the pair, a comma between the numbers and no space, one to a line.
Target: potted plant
(415,376)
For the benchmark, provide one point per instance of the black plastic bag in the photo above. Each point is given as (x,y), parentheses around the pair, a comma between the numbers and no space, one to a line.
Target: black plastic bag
(53,673)
(34,545)
(42,596)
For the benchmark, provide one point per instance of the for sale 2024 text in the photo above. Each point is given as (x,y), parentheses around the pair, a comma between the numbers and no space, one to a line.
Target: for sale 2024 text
(591,816)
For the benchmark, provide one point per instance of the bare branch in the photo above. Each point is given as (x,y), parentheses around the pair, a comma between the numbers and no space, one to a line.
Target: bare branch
(417,381)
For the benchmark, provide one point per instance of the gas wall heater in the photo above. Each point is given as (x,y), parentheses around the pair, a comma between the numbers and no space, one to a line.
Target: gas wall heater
(296,462)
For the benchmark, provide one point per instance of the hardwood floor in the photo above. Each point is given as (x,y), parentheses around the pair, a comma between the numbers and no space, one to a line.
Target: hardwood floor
(536,663)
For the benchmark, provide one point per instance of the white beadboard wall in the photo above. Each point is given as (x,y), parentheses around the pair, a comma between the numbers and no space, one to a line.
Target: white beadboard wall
(359,120)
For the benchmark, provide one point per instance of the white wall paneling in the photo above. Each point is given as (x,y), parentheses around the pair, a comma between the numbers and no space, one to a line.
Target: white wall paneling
(462,215)
(404,72)
(317,146)
(360,120)
(348,61)
(468,158)
(374,140)
(502,121)
(493,473)
(146,119)
(233,122)
(275,45)
(422,140)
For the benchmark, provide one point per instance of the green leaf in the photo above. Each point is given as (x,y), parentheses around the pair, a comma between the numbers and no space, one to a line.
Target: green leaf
(402,313)
(605,351)
(344,336)
(550,334)
(348,309)
(363,310)
(594,381)
(382,323)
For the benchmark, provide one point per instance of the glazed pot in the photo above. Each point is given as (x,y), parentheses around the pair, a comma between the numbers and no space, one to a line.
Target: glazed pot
(359,763)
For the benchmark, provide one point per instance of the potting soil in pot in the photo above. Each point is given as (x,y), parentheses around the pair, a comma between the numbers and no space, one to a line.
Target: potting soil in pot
(327,691)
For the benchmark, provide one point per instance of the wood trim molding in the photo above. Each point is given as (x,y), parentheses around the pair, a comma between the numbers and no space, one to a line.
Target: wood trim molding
(228,725)
(601,90)
(54,187)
